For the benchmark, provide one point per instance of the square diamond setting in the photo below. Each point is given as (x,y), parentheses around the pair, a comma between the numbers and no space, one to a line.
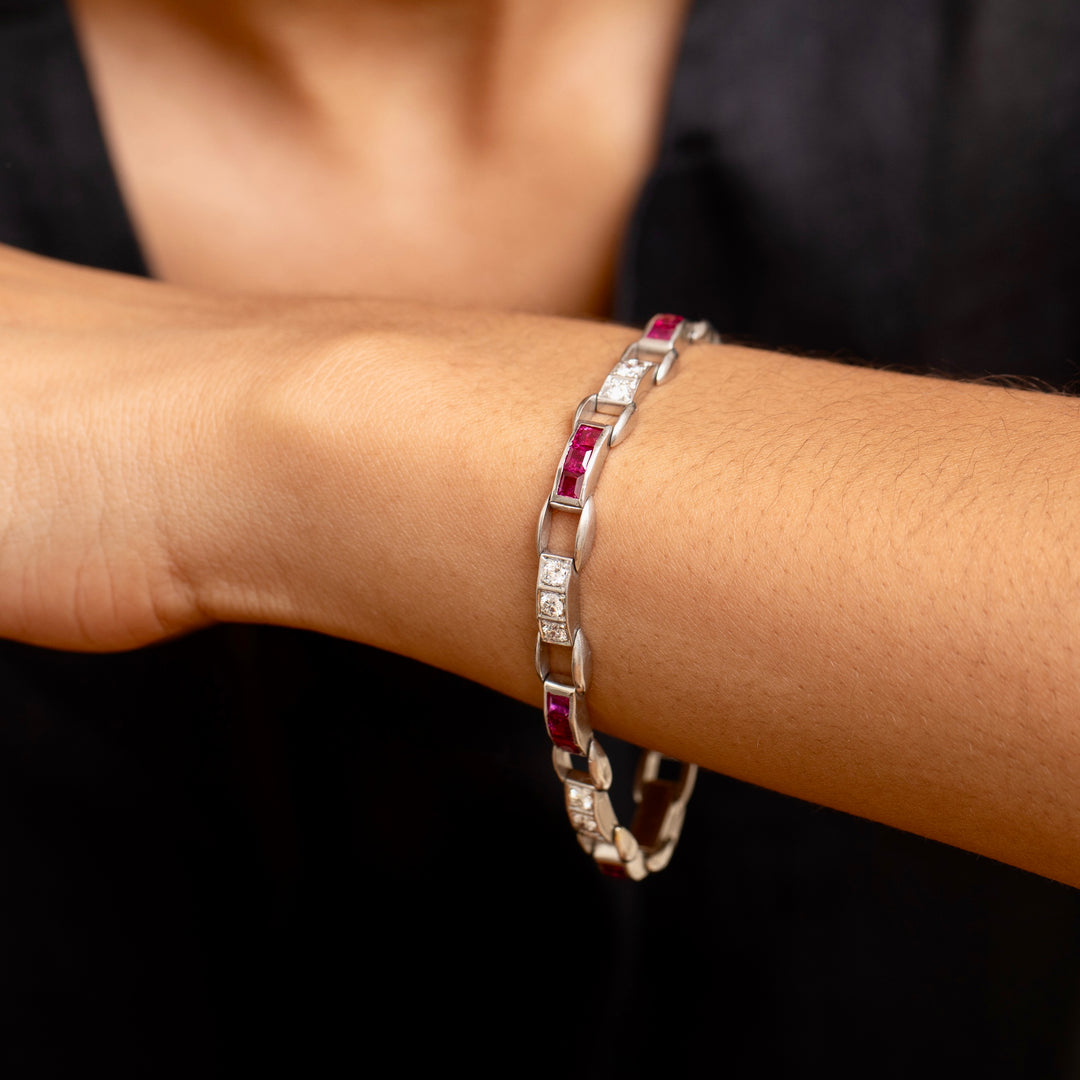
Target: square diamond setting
(552,605)
(554,633)
(581,809)
(589,810)
(555,612)
(579,798)
(618,390)
(555,570)
(631,368)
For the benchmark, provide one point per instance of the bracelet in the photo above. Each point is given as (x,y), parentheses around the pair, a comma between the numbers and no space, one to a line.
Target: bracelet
(602,421)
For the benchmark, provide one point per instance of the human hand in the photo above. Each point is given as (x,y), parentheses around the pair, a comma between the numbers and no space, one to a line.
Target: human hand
(109,412)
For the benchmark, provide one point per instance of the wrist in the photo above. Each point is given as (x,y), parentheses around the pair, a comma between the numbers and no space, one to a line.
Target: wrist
(385,466)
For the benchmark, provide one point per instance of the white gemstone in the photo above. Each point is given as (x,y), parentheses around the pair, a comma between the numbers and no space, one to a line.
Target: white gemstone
(554,633)
(579,798)
(583,823)
(554,571)
(632,368)
(551,605)
(618,391)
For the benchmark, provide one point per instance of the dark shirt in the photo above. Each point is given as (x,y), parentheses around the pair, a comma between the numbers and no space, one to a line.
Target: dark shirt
(258,848)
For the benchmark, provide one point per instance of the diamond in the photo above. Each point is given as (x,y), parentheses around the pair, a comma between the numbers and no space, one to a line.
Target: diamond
(554,633)
(632,368)
(619,391)
(551,605)
(584,823)
(579,798)
(554,571)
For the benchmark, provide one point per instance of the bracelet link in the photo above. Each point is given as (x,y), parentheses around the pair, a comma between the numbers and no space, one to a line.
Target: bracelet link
(567,717)
(589,808)
(599,765)
(580,466)
(557,599)
(661,807)
(628,382)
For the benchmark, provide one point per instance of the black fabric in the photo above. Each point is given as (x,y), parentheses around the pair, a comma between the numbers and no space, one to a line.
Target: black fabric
(896,182)
(240,851)
(58,196)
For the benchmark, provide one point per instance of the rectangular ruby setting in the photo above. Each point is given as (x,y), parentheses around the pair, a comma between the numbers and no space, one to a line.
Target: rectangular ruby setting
(664,327)
(557,715)
(612,869)
(576,460)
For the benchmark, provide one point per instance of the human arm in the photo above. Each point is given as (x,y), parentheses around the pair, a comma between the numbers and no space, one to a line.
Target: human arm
(853,586)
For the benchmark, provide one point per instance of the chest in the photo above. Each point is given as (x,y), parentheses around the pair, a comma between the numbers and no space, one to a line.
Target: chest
(233,186)
(516,230)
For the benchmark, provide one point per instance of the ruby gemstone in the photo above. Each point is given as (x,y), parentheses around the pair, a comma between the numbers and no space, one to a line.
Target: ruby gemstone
(611,869)
(557,715)
(576,459)
(664,327)
(586,436)
(569,486)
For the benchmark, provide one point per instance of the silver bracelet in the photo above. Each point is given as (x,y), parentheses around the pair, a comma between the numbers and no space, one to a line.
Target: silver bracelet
(601,422)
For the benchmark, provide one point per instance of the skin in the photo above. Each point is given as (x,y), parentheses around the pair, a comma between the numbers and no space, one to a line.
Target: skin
(800,575)
(477,152)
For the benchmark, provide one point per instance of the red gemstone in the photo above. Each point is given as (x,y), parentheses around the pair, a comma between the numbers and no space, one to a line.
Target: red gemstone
(569,486)
(574,462)
(576,459)
(557,715)
(612,869)
(664,327)
(586,436)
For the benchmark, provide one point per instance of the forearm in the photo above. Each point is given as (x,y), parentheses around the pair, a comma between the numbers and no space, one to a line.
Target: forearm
(852,586)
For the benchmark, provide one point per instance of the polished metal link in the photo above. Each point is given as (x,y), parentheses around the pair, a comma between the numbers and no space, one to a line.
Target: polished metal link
(598,766)
(648,844)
